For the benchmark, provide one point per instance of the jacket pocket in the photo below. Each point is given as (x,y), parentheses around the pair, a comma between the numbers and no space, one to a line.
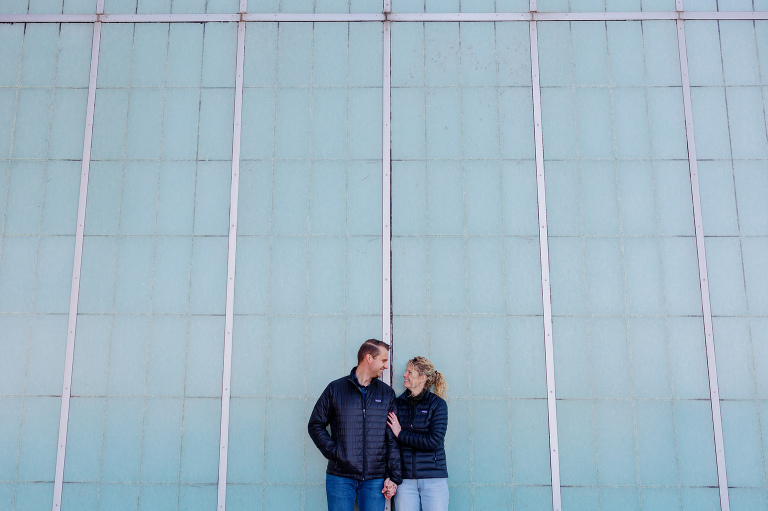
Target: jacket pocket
(336,454)
(340,461)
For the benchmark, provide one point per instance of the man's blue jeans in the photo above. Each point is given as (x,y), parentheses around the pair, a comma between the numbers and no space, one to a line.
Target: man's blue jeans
(343,491)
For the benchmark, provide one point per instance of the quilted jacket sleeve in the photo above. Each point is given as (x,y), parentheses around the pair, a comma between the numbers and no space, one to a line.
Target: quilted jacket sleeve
(319,420)
(393,450)
(433,439)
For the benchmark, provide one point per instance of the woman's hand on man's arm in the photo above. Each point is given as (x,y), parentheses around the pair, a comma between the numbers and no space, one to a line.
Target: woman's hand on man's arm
(393,423)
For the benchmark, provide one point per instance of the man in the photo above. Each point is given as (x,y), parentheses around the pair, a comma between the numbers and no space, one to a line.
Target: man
(362,452)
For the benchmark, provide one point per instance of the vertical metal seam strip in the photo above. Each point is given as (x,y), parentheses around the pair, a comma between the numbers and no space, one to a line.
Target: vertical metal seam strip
(74,294)
(549,359)
(714,394)
(231,259)
(386,195)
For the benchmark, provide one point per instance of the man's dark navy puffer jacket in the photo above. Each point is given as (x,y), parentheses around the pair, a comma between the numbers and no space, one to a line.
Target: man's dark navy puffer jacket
(361,446)
(424,422)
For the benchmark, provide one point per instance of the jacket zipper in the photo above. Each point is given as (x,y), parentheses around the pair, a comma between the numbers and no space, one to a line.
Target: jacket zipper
(413,456)
(362,399)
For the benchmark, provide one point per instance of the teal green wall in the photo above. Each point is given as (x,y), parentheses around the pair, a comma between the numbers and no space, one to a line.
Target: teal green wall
(634,417)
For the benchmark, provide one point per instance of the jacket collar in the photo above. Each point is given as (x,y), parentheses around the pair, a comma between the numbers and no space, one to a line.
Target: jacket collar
(353,378)
(419,398)
(423,396)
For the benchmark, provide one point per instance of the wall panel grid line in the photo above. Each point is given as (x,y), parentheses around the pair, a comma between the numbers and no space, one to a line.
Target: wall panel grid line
(76,271)
(231,259)
(722,478)
(549,357)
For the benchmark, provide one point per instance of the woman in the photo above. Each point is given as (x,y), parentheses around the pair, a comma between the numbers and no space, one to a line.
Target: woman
(424,418)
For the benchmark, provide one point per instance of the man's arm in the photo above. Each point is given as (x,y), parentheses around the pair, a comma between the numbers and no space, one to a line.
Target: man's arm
(318,421)
(393,450)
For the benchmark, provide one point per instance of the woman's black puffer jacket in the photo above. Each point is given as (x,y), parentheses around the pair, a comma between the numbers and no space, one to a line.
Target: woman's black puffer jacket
(424,421)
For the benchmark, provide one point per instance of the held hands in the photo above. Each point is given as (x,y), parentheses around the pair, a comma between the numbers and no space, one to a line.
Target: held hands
(389,489)
(394,424)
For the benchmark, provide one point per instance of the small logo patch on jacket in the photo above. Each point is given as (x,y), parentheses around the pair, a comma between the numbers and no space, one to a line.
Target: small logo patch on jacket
(424,411)
(377,400)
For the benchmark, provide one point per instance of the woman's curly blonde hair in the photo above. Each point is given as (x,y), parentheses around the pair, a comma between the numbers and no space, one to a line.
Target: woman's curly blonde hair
(422,365)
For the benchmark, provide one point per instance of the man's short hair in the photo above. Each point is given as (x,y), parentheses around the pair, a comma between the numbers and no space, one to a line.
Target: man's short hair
(371,346)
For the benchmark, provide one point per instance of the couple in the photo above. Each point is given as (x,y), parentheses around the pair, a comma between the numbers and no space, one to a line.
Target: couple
(379,446)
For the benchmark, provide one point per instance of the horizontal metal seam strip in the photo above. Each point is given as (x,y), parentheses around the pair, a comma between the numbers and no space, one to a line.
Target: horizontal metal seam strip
(378,17)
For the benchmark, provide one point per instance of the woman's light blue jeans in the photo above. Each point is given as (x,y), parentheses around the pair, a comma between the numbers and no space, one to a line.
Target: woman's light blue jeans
(422,494)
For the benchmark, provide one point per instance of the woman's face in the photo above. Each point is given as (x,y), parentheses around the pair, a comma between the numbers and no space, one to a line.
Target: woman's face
(412,380)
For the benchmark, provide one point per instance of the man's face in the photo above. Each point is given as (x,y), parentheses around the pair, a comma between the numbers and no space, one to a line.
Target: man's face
(379,363)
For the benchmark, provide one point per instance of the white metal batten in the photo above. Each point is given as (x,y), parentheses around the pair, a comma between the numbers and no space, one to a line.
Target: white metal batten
(188,18)
(459,16)
(168,18)
(714,393)
(604,16)
(549,354)
(386,195)
(117,18)
(74,294)
(746,15)
(48,18)
(288,17)
(231,259)
(574,16)
(380,17)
